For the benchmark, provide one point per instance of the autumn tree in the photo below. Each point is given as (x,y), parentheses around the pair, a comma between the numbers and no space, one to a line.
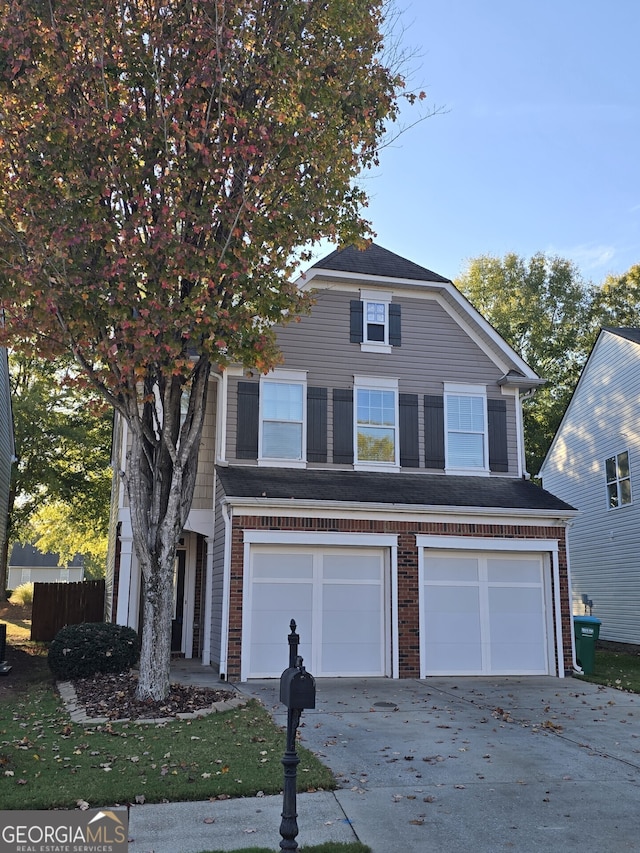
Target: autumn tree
(161,164)
(615,302)
(540,308)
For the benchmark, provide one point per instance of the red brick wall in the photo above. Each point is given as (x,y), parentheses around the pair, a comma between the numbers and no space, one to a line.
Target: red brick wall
(408,597)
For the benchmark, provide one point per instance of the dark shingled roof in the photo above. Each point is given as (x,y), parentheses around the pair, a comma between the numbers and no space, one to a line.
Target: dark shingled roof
(630,334)
(374,260)
(393,488)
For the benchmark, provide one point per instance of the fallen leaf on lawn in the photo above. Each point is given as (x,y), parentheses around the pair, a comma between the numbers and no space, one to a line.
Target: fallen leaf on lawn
(21,782)
(83,805)
(224,769)
(206,775)
(140,799)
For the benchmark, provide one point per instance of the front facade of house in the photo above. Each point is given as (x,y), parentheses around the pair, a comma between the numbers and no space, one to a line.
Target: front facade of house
(592,464)
(373,488)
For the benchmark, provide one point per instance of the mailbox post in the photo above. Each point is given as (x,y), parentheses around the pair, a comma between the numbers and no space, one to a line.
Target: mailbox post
(297,692)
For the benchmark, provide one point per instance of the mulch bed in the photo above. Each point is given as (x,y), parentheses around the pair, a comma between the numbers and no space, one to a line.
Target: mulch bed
(114,697)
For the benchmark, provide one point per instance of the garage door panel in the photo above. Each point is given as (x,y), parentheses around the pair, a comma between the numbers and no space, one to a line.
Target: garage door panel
(447,658)
(335,596)
(282,566)
(493,625)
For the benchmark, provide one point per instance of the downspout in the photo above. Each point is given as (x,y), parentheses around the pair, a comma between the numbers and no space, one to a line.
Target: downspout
(574,661)
(219,439)
(226,586)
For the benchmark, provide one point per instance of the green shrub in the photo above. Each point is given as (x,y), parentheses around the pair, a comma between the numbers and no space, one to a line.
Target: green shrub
(22,594)
(78,651)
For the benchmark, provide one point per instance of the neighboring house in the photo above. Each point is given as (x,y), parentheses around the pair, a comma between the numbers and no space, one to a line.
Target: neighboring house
(7,448)
(27,565)
(593,463)
(373,489)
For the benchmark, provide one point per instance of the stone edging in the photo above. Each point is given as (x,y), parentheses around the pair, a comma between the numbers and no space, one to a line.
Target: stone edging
(78,713)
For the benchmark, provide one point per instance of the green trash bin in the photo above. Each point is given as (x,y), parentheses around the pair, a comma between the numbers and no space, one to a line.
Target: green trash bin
(586,630)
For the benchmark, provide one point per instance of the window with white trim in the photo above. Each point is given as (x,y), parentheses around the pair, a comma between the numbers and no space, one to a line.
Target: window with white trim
(376,422)
(618,475)
(466,439)
(376,322)
(282,418)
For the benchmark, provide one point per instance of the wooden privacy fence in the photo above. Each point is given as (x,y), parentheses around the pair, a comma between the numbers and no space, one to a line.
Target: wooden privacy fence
(58,604)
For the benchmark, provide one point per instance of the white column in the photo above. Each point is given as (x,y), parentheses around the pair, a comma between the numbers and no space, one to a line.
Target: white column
(124,580)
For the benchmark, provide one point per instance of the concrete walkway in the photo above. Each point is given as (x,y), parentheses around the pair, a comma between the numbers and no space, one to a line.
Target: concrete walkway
(444,765)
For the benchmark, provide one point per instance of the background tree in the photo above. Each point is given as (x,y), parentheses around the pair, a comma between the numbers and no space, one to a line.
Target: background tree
(616,302)
(61,481)
(540,307)
(161,164)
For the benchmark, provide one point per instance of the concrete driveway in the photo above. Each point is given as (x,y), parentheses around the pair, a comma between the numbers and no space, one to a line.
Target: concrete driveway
(478,764)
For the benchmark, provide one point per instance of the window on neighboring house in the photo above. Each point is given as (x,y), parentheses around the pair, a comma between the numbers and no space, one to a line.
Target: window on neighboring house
(466,428)
(376,422)
(618,477)
(282,421)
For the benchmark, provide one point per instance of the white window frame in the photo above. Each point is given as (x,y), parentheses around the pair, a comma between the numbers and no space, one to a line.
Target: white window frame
(453,389)
(617,481)
(284,377)
(384,298)
(369,383)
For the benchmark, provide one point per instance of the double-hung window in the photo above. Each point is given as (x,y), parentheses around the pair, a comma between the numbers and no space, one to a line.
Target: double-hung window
(618,476)
(466,444)
(376,422)
(282,417)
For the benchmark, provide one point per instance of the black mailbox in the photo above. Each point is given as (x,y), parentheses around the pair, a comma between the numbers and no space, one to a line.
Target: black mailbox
(297,688)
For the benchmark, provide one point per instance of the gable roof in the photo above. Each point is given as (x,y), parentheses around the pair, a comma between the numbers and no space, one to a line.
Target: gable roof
(400,489)
(626,333)
(374,260)
(630,334)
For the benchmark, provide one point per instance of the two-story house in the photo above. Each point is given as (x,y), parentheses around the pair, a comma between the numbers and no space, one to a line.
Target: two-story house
(593,462)
(372,488)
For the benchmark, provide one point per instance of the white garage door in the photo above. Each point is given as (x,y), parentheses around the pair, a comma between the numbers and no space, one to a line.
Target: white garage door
(336,597)
(483,614)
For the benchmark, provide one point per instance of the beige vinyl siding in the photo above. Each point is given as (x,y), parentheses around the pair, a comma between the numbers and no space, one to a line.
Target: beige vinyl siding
(435,349)
(203,493)
(604,544)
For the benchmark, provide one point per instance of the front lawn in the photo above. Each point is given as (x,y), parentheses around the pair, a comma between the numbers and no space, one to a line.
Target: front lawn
(614,668)
(48,762)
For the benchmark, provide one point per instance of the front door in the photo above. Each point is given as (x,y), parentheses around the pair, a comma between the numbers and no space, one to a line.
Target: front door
(178,601)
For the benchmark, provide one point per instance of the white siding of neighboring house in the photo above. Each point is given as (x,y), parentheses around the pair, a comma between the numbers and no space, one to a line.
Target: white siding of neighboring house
(603,419)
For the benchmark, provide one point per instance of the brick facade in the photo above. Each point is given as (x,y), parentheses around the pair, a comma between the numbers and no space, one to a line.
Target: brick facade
(408,593)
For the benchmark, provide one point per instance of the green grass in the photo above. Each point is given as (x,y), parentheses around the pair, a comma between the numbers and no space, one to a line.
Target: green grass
(616,669)
(48,762)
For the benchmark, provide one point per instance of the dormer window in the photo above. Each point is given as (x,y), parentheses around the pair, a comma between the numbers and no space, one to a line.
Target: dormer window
(375,321)
(376,325)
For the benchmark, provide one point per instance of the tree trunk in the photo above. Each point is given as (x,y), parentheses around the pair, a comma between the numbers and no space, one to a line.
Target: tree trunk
(155,652)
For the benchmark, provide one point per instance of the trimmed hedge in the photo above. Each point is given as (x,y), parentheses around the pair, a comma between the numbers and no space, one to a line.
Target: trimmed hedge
(79,651)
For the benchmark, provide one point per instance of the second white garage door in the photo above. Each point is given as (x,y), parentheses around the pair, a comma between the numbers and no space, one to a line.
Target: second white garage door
(483,614)
(335,595)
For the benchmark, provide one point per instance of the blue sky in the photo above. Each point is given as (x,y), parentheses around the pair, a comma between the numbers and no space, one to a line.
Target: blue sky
(539,147)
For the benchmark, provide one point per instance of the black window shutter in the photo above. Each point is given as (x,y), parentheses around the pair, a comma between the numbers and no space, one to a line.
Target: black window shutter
(434,431)
(395,338)
(343,426)
(248,415)
(356,319)
(316,424)
(409,452)
(497,417)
